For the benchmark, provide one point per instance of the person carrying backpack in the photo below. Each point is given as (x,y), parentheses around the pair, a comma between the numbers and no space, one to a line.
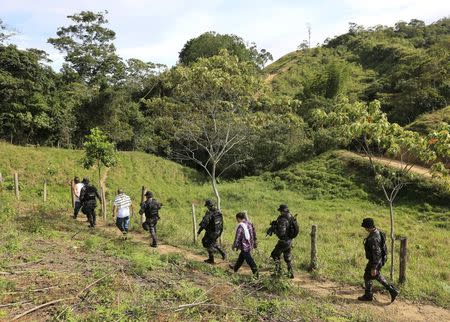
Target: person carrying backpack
(88,202)
(212,223)
(286,229)
(376,254)
(150,215)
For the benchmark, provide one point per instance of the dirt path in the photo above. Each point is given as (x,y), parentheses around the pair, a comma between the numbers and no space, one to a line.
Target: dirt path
(400,310)
(393,163)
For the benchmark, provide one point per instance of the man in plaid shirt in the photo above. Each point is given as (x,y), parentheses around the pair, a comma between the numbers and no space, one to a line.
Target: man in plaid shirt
(245,241)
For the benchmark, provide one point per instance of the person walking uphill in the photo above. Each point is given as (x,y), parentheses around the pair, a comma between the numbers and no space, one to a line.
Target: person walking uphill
(212,223)
(88,202)
(122,209)
(245,241)
(77,186)
(376,253)
(150,216)
(286,229)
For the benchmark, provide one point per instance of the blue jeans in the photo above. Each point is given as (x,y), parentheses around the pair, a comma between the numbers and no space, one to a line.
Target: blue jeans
(122,224)
(76,209)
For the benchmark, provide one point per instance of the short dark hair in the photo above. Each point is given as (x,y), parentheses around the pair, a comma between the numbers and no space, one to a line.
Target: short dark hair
(368,223)
(76,180)
(240,215)
(119,191)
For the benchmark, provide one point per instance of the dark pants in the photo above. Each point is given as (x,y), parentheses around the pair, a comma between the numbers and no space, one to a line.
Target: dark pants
(89,211)
(211,245)
(76,209)
(247,256)
(368,279)
(122,224)
(283,247)
(151,228)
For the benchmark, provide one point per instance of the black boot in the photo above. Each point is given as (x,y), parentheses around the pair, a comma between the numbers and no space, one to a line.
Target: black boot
(366,297)
(368,293)
(210,259)
(393,292)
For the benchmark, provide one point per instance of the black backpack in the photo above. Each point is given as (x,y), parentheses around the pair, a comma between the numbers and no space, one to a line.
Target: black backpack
(294,229)
(384,250)
(217,221)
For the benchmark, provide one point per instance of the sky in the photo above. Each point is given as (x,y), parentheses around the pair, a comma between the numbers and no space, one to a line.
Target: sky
(156,30)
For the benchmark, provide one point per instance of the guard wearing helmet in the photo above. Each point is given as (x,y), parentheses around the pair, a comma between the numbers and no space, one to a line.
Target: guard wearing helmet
(376,254)
(88,202)
(286,229)
(150,216)
(212,223)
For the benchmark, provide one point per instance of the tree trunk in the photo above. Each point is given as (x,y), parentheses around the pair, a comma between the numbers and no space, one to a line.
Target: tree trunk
(391,213)
(214,185)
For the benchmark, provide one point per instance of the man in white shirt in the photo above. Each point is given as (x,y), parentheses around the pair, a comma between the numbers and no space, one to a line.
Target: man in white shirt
(77,186)
(122,209)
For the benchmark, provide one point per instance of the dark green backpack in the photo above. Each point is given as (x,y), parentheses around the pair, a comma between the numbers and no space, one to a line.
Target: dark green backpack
(294,229)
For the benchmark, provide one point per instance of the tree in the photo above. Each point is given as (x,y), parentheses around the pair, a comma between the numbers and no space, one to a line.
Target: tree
(5,33)
(28,101)
(208,140)
(367,125)
(204,113)
(211,43)
(98,151)
(89,49)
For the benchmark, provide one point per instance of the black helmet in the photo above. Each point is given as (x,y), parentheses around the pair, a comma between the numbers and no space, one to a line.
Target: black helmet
(368,223)
(85,180)
(209,203)
(283,208)
(149,194)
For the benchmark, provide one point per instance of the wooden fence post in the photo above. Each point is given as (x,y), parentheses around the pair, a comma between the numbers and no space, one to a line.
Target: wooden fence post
(143,190)
(403,259)
(45,190)
(194,224)
(72,191)
(313,265)
(16,185)
(103,201)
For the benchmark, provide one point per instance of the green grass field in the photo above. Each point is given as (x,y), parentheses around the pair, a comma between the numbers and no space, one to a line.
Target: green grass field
(333,191)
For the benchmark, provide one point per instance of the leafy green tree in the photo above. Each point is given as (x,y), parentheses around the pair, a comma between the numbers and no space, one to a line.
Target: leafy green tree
(28,101)
(211,43)
(5,33)
(367,125)
(89,49)
(99,151)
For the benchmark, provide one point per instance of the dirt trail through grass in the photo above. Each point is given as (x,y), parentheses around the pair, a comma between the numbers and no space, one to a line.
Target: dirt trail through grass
(416,169)
(400,310)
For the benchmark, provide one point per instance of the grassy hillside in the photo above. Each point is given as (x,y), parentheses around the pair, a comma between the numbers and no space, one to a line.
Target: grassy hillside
(429,122)
(333,191)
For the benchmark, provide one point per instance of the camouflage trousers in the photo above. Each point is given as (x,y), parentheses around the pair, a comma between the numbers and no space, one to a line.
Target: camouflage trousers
(283,247)
(368,279)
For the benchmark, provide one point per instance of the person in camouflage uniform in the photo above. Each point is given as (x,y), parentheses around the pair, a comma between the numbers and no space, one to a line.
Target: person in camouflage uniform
(88,202)
(150,216)
(376,254)
(212,223)
(281,228)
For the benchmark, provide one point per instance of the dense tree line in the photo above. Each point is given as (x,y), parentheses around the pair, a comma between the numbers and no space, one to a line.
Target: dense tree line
(405,67)
(216,93)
